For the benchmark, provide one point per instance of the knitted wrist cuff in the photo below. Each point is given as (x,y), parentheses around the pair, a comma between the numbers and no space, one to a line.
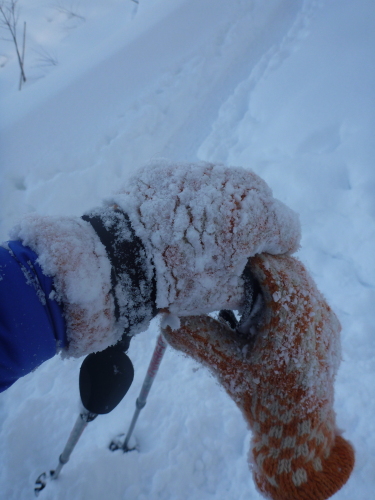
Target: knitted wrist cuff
(70,251)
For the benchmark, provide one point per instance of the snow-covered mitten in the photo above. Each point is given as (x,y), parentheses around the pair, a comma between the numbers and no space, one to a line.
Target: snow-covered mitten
(176,237)
(102,277)
(281,375)
(200,222)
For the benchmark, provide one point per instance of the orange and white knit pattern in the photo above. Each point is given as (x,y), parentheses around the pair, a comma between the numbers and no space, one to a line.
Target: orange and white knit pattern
(281,377)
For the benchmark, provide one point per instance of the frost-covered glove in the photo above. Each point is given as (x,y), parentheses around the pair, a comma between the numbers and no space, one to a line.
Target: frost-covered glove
(102,277)
(281,375)
(177,237)
(200,223)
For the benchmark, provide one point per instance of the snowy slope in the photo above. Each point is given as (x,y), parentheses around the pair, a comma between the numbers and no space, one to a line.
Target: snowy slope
(284,87)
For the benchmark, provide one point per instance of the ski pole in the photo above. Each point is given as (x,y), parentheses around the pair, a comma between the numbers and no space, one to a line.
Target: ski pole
(104,379)
(157,356)
(83,419)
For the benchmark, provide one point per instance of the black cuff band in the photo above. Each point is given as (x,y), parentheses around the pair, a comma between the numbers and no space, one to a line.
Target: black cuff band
(133,284)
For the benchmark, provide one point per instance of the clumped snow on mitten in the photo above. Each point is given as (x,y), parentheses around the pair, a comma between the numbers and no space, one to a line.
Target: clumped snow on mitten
(200,223)
(70,251)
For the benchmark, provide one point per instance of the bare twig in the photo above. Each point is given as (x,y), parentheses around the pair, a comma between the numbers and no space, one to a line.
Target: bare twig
(8,21)
(46,58)
(23,52)
(70,11)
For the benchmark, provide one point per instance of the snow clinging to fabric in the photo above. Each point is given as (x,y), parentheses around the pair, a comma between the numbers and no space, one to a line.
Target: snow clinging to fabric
(200,222)
(70,251)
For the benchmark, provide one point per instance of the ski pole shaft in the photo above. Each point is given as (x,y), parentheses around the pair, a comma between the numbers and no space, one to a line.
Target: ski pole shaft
(157,356)
(80,425)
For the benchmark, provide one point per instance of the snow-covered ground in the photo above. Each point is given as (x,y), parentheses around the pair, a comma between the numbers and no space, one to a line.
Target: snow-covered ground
(284,87)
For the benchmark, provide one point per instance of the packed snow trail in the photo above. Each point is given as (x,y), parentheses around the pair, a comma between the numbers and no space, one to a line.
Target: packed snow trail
(156,94)
(286,88)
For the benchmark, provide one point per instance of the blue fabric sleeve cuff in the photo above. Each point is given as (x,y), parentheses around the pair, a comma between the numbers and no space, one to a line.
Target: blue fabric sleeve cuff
(32,326)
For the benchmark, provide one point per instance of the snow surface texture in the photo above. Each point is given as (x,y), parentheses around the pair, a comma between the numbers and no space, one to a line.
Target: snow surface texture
(200,223)
(284,87)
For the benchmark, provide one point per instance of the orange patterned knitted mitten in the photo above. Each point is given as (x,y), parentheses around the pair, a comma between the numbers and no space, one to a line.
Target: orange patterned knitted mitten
(281,376)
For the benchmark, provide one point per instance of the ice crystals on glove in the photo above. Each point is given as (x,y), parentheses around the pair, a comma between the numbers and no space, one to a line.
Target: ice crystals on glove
(200,222)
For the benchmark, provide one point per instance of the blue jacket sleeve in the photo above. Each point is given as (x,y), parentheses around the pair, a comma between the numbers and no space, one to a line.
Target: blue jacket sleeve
(32,326)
